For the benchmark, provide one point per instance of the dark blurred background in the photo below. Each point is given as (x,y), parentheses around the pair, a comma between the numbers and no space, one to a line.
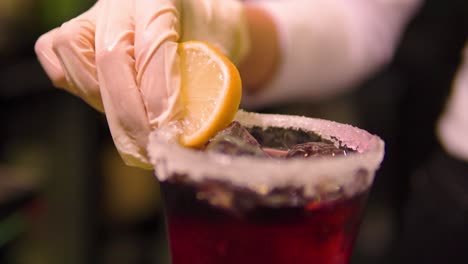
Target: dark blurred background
(66,197)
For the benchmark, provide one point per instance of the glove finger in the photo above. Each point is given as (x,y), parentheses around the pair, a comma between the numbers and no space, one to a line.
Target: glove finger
(115,64)
(156,58)
(73,44)
(49,61)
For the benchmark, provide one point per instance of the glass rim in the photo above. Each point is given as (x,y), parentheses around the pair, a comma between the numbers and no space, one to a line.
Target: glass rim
(262,175)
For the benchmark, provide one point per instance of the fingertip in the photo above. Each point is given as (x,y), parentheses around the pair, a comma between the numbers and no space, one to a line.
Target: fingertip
(48,59)
(40,44)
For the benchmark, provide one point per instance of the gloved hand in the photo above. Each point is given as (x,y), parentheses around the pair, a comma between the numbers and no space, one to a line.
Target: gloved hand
(121,58)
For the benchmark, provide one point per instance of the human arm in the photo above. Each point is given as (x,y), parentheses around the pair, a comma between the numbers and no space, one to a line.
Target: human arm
(327,47)
(452,127)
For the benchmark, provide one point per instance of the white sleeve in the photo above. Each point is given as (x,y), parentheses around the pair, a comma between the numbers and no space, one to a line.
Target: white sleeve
(452,127)
(328,46)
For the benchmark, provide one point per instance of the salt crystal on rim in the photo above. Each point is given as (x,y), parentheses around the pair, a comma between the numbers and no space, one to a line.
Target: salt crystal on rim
(262,174)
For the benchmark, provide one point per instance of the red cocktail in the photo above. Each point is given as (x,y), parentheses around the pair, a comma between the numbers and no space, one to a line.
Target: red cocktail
(224,209)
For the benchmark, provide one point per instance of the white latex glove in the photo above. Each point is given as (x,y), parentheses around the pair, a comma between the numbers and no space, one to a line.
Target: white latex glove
(121,58)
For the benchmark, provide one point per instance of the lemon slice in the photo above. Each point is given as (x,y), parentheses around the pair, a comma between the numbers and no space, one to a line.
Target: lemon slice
(210,92)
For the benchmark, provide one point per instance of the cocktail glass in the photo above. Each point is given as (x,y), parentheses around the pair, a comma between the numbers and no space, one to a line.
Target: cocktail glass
(243,209)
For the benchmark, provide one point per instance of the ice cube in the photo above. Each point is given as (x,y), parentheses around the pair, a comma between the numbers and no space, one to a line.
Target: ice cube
(235,129)
(235,140)
(282,138)
(315,149)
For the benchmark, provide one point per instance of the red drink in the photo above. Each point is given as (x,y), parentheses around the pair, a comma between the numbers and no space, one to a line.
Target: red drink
(225,209)
(321,233)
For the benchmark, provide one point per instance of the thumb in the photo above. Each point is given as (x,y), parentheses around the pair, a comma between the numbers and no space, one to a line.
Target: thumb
(156,58)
